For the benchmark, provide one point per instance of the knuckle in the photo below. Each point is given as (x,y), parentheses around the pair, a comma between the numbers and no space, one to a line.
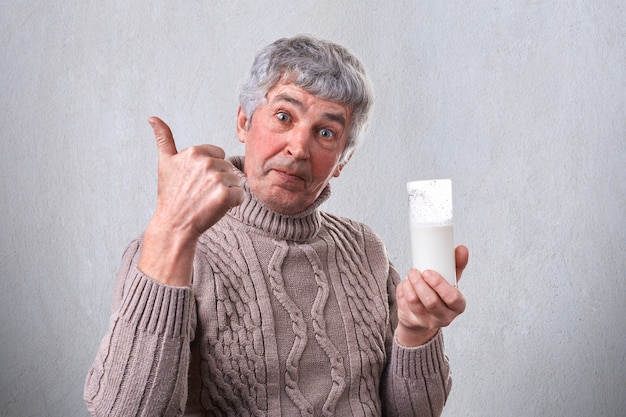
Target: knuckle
(430,303)
(192,151)
(412,298)
(458,302)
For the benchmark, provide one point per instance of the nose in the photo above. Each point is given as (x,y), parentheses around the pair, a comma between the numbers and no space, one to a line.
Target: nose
(299,142)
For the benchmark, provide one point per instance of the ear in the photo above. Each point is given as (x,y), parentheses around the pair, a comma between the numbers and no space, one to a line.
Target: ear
(242,125)
(340,166)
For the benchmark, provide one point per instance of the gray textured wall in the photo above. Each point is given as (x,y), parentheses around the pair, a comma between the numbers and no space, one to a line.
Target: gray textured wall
(521,103)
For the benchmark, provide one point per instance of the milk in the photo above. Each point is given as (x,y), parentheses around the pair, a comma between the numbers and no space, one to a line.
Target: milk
(430,214)
(433,248)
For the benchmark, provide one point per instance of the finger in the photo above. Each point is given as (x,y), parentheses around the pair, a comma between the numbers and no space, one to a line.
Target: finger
(236,196)
(424,295)
(164,138)
(214,152)
(216,162)
(449,295)
(408,288)
(429,289)
(230,179)
(461,257)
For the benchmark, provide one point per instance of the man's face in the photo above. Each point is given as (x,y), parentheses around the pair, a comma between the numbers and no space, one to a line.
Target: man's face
(293,146)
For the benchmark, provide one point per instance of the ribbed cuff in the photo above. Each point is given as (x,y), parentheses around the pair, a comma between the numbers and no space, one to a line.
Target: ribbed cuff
(418,361)
(155,307)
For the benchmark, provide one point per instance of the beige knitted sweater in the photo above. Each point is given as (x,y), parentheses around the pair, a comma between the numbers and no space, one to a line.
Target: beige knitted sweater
(286,316)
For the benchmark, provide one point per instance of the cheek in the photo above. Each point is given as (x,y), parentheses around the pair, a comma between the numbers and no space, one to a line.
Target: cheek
(326,167)
(258,152)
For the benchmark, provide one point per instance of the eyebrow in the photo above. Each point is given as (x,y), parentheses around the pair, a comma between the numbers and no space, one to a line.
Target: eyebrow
(339,118)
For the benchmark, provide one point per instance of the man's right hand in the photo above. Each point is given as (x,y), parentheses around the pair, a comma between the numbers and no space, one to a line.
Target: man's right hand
(196,187)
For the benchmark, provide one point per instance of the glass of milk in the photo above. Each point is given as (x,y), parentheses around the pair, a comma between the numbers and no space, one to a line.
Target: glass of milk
(432,241)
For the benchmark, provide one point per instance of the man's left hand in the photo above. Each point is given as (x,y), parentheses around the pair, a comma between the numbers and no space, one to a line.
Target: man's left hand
(427,302)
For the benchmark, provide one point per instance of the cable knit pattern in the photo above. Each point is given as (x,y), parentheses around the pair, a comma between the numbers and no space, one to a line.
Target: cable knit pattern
(236,343)
(337,369)
(365,308)
(299,330)
(289,316)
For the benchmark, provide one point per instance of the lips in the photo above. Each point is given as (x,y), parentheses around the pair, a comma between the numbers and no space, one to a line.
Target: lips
(294,175)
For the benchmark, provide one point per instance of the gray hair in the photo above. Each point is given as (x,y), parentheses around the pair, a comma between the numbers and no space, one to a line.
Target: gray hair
(324,69)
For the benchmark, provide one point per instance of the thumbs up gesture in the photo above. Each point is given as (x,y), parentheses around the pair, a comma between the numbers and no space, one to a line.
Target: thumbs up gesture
(196,187)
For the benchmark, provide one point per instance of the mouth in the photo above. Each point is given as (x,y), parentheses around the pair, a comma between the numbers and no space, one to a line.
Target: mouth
(290,173)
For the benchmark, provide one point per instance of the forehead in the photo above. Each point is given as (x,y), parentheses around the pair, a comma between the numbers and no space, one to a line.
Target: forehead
(287,92)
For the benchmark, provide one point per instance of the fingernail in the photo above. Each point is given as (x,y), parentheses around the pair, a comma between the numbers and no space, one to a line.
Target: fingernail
(429,275)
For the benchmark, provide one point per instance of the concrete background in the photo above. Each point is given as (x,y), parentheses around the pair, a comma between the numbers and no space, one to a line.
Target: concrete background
(521,103)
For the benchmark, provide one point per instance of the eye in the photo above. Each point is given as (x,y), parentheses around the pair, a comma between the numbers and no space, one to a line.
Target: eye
(282,116)
(327,133)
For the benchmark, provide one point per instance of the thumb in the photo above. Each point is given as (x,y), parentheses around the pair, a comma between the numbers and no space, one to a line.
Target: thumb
(163,136)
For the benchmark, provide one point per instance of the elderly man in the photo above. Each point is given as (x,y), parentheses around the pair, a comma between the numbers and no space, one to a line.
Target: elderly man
(243,298)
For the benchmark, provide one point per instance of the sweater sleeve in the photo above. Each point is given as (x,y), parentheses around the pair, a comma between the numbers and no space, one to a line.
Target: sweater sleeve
(416,381)
(142,364)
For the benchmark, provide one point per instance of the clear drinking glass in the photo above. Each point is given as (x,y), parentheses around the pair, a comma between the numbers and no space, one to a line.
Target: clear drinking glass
(432,240)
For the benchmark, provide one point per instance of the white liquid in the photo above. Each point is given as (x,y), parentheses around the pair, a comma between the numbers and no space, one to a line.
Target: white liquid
(433,248)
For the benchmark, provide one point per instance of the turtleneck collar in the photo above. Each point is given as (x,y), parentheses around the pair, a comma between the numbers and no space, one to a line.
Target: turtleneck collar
(297,227)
